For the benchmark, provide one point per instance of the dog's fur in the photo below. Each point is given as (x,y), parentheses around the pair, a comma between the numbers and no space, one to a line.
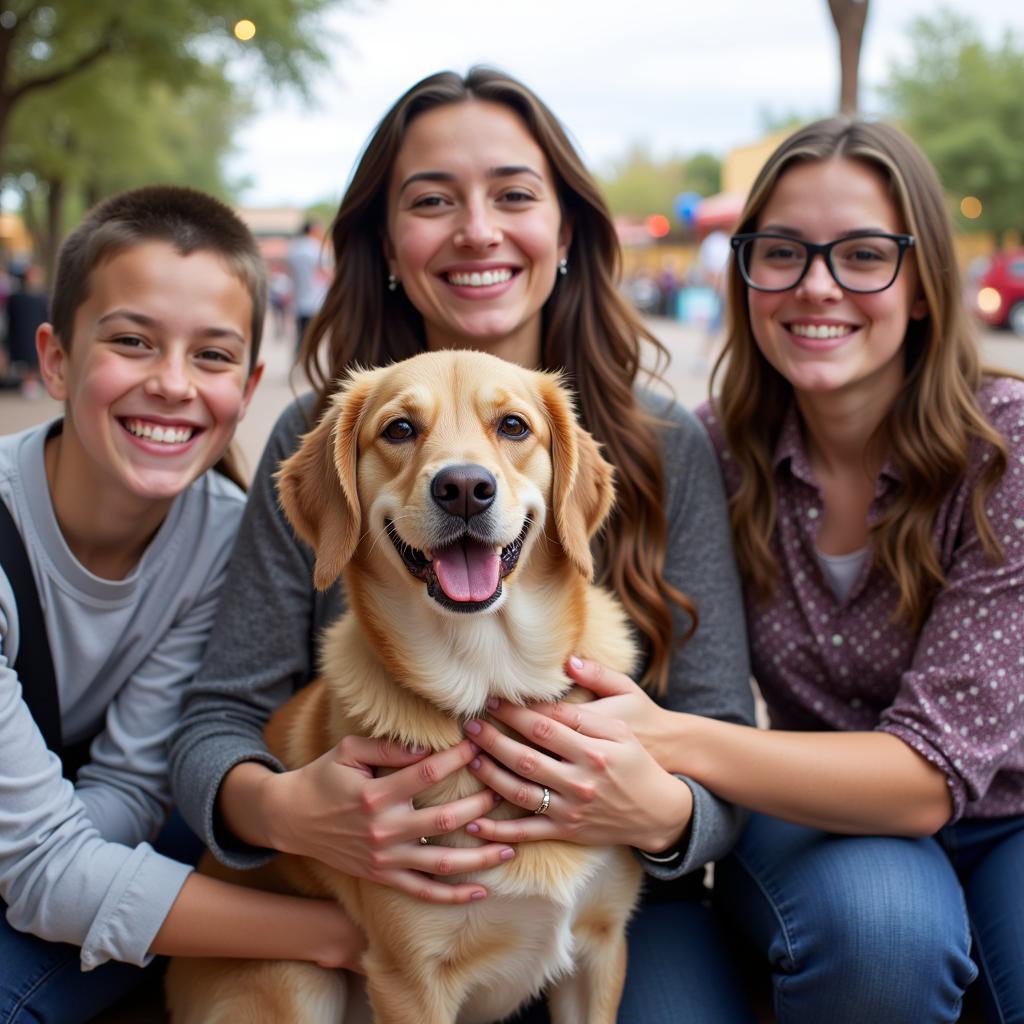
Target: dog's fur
(411,663)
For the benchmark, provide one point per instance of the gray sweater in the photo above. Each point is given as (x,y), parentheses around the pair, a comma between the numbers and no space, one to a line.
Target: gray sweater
(74,862)
(264,645)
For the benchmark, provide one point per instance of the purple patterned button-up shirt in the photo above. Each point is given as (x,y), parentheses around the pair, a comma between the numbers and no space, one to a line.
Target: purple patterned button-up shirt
(954,691)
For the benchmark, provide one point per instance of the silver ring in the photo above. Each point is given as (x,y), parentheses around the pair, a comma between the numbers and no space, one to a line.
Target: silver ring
(424,841)
(545,800)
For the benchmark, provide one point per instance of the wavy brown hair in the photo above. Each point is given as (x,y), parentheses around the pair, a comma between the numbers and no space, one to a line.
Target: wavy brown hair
(935,419)
(588,331)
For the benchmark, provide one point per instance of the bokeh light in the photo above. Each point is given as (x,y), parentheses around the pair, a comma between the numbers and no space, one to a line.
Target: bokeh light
(970,207)
(989,300)
(658,225)
(244,30)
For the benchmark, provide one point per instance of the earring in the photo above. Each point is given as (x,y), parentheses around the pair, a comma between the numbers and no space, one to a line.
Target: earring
(563,266)
(392,282)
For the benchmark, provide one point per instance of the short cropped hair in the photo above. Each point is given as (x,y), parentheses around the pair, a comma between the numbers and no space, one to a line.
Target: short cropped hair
(188,220)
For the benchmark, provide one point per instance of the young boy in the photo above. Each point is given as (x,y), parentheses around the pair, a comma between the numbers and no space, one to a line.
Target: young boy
(152,345)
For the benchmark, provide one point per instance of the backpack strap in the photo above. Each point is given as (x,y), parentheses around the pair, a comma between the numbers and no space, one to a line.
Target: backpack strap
(34,664)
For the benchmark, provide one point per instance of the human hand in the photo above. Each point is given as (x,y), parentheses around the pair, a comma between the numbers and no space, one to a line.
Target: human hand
(617,696)
(336,811)
(604,787)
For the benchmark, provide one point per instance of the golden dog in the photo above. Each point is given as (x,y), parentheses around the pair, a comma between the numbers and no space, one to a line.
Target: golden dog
(458,496)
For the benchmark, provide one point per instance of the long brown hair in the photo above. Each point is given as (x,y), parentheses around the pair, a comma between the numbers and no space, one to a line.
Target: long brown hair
(588,331)
(936,417)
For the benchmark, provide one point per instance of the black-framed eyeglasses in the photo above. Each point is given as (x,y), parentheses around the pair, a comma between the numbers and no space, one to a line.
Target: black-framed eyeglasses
(863,263)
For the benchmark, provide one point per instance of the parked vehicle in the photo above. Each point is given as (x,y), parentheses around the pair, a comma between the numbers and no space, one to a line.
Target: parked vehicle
(999,299)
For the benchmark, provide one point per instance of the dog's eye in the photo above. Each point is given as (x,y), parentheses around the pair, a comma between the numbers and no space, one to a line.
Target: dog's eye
(399,430)
(513,426)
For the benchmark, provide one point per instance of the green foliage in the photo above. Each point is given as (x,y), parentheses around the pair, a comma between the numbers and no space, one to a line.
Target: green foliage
(960,99)
(100,96)
(639,184)
(170,39)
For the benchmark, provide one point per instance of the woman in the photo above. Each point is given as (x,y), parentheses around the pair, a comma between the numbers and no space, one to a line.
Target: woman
(470,222)
(873,473)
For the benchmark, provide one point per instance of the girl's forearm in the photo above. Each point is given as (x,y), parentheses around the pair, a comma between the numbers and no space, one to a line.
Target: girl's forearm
(211,917)
(850,782)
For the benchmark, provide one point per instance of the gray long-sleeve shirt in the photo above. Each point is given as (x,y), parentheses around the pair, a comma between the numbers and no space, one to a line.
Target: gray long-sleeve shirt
(265,641)
(74,862)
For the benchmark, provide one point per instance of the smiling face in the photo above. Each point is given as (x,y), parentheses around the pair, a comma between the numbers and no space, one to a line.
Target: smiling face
(474,229)
(156,375)
(822,339)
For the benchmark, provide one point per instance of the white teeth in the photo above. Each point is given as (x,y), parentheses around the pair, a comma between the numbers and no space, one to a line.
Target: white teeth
(155,432)
(479,279)
(820,331)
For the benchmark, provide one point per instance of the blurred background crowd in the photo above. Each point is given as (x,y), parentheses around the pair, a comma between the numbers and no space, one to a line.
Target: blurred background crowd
(675,108)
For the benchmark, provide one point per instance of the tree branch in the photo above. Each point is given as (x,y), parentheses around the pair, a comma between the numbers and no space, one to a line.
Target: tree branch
(87,59)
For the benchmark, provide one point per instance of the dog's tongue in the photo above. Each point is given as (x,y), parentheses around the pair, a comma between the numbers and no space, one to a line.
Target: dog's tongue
(467,570)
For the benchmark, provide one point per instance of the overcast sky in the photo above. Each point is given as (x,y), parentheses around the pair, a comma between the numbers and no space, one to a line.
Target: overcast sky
(679,75)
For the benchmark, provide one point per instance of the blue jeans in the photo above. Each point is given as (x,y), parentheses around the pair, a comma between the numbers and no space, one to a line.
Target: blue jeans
(679,967)
(42,982)
(870,928)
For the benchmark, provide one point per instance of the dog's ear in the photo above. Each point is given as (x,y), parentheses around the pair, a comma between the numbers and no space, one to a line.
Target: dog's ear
(317,485)
(582,488)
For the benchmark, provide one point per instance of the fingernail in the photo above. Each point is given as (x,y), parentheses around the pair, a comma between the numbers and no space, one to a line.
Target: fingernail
(576,662)
(494,703)
(497,797)
(473,728)
(478,895)
(476,749)
(472,828)
(508,853)
(475,763)
(416,750)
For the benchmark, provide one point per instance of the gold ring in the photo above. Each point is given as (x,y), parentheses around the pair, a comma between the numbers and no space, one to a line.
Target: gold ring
(545,800)
(424,841)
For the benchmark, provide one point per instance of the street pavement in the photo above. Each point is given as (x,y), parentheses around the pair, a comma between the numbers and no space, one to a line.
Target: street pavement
(687,376)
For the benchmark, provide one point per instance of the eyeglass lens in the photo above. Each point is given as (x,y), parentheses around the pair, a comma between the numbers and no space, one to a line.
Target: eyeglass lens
(862,264)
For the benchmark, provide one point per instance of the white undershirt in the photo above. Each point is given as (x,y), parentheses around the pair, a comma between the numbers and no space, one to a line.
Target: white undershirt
(841,571)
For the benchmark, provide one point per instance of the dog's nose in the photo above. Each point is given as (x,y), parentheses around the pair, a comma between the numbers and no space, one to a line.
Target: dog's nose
(464,490)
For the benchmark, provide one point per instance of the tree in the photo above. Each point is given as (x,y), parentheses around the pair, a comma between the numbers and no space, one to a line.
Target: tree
(639,184)
(961,101)
(849,17)
(111,128)
(45,44)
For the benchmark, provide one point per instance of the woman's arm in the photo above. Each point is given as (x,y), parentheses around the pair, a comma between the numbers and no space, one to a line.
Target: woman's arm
(852,782)
(260,651)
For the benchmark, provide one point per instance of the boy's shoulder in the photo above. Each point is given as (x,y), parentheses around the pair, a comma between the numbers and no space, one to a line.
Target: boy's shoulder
(217,488)
(21,458)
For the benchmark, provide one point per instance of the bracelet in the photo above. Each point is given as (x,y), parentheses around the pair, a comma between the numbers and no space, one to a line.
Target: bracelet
(655,858)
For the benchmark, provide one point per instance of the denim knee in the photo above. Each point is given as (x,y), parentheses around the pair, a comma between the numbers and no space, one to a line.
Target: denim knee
(856,928)
(894,958)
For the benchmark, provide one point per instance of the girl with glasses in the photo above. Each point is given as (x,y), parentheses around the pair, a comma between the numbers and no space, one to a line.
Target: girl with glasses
(874,473)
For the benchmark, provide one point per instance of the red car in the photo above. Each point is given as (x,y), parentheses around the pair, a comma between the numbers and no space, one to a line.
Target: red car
(999,300)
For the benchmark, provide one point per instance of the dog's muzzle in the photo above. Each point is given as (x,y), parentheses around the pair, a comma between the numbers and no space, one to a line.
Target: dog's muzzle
(465,574)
